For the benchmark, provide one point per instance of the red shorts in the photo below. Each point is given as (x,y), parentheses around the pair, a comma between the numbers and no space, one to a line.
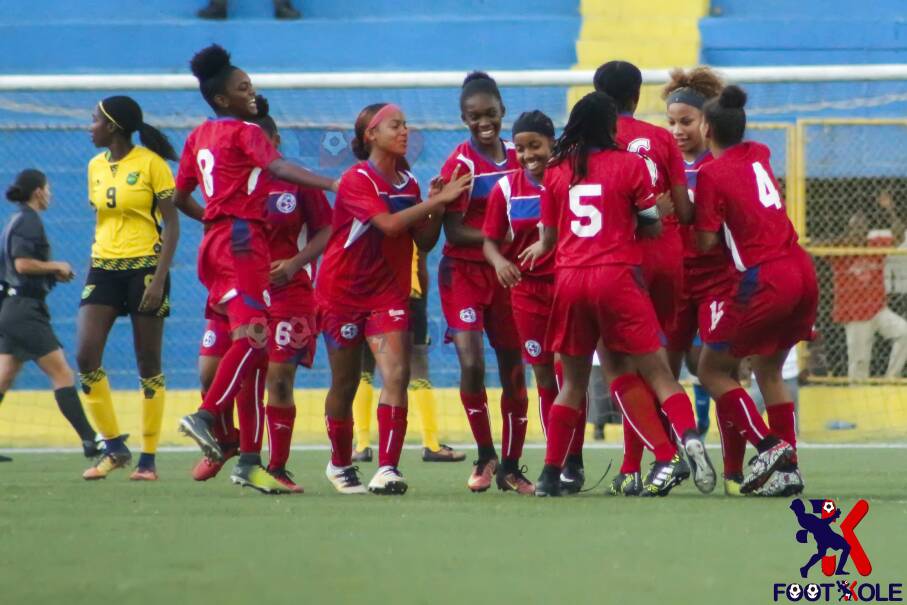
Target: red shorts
(233,264)
(217,337)
(346,328)
(605,301)
(292,326)
(473,300)
(662,270)
(773,307)
(532,299)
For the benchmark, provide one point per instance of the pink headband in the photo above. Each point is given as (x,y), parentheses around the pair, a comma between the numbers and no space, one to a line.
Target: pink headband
(381,114)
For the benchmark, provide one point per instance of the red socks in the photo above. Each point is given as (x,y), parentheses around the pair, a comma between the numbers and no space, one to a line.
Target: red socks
(340,434)
(391,433)
(679,410)
(235,366)
(633,448)
(224,428)
(738,406)
(733,444)
(640,412)
(576,446)
(513,413)
(250,408)
(476,406)
(562,422)
(783,422)
(280,434)
(546,400)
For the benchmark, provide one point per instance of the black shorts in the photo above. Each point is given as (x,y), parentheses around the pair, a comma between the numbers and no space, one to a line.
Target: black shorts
(25,331)
(123,290)
(418,320)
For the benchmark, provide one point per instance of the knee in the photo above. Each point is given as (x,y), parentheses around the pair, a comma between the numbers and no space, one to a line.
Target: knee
(344,387)
(149,364)
(62,378)
(397,378)
(87,359)
(280,389)
(472,369)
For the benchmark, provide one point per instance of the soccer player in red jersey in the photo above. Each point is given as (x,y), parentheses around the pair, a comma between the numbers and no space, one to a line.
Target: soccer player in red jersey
(511,225)
(471,297)
(363,288)
(773,302)
(227,156)
(297,226)
(595,196)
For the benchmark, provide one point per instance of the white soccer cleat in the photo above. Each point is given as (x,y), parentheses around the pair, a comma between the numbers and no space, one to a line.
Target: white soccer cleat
(782,484)
(387,481)
(703,472)
(345,479)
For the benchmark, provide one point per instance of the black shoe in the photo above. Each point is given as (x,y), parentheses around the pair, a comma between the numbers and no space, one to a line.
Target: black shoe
(5,459)
(549,482)
(572,478)
(198,428)
(665,476)
(216,9)
(629,484)
(92,448)
(284,10)
(362,455)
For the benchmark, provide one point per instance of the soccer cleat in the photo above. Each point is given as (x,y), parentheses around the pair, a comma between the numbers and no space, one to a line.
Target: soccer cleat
(257,477)
(703,472)
(765,464)
(629,484)
(732,485)
(781,484)
(143,474)
(286,478)
(92,448)
(5,459)
(443,454)
(573,477)
(482,472)
(514,481)
(665,476)
(388,481)
(345,479)
(196,428)
(107,463)
(208,469)
(549,482)
(363,455)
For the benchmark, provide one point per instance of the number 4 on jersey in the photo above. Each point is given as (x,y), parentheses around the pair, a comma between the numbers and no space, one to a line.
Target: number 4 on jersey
(768,193)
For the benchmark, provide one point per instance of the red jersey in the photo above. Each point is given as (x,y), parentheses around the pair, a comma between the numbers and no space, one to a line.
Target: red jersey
(227,157)
(658,145)
(485,173)
(363,269)
(596,218)
(292,214)
(859,282)
(739,194)
(515,209)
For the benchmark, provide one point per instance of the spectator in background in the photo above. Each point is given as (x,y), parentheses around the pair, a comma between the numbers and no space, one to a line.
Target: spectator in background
(217,9)
(860,300)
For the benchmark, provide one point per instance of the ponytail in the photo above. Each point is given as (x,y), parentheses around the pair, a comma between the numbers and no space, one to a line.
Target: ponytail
(126,114)
(157,141)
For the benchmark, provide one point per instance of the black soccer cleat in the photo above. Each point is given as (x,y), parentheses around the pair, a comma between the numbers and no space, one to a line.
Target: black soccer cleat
(629,484)
(572,478)
(196,427)
(665,476)
(549,482)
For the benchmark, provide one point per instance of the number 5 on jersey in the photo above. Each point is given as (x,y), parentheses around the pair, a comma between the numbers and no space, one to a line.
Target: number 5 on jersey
(588,219)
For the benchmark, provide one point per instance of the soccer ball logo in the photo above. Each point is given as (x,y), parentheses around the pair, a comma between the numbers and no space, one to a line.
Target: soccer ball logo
(794,592)
(349,331)
(828,508)
(286,203)
(209,339)
(333,142)
(468,315)
(533,348)
(812,592)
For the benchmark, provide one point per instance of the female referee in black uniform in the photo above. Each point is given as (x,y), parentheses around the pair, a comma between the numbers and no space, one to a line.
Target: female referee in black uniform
(26,276)
(130,187)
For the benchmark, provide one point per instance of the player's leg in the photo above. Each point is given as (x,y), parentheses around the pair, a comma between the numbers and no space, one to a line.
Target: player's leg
(147,339)
(9,369)
(362,408)
(391,351)
(346,367)
(215,343)
(281,419)
(62,380)
(573,475)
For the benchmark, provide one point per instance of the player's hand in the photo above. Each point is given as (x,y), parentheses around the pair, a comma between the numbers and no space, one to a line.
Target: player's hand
(508,274)
(665,204)
(335,186)
(532,254)
(455,187)
(153,296)
(282,271)
(435,186)
(63,272)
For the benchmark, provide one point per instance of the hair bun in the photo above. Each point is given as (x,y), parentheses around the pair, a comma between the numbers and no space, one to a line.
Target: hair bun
(476,75)
(264,108)
(15,194)
(209,61)
(732,97)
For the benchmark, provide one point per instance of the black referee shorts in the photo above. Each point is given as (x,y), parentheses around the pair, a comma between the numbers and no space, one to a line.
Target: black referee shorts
(25,331)
(123,290)
(418,320)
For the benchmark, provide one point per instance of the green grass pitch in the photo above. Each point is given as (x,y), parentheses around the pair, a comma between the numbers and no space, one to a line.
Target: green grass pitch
(63,540)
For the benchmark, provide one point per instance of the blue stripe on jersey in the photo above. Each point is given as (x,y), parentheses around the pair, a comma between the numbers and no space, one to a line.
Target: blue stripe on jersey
(692,175)
(483,184)
(398,202)
(525,208)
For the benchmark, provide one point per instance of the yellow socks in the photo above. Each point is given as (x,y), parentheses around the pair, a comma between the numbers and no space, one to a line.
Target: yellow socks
(422,398)
(99,402)
(362,411)
(153,392)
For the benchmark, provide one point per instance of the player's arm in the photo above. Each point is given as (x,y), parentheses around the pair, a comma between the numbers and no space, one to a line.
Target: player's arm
(495,231)
(282,271)
(185,203)
(186,182)
(286,170)
(153,296)
(422,270)
(710,209)
(641,187)
(425,237)
(680,194)
(32,266)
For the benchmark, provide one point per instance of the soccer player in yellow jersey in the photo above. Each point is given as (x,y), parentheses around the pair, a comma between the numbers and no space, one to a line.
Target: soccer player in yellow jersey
(420,391)
(130,188)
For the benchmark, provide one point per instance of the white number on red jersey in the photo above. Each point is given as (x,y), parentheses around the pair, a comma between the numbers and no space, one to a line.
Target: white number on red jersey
(639,146)
(589,218)
(768,193)
(205,161)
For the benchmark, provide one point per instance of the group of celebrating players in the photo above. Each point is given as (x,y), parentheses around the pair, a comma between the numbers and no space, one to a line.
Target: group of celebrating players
(556,247)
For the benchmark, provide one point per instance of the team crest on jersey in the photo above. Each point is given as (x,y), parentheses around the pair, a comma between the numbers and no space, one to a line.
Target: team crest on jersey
(533,348)
(209,339)
(87,290)
(133,177)
(468,315)
(285,203)
(349,331)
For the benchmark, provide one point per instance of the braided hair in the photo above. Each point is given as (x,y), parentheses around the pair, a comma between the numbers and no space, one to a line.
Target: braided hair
(126,114)
(591,126)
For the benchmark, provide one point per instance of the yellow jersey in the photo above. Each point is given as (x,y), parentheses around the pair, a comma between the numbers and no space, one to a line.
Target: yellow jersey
(125,196)
(415,286)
